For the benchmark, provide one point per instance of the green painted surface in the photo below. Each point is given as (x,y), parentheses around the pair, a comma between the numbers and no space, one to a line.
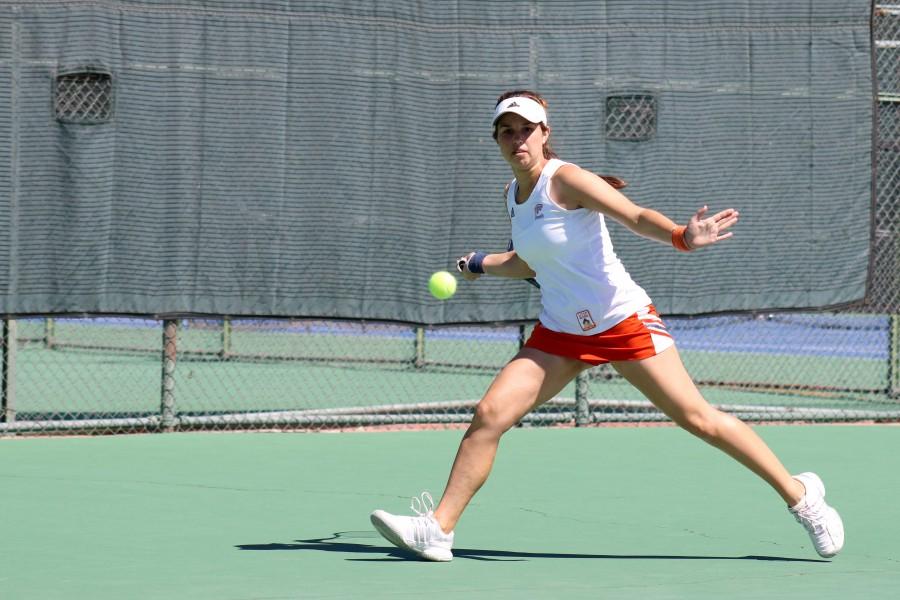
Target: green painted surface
(595,513)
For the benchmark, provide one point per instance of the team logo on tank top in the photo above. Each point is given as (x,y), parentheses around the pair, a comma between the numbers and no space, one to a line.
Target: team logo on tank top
(586,320)
(538,211)
(512,212)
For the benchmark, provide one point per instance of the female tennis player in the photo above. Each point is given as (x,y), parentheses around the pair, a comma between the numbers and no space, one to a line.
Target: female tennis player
(592,313)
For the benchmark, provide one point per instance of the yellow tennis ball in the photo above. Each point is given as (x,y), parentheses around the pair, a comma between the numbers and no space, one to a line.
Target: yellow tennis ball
(442,285)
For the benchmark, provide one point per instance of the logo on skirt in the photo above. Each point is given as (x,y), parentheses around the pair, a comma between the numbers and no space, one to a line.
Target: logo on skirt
(586,320)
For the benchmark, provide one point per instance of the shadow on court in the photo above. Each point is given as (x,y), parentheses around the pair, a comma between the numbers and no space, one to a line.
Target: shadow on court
(395,554)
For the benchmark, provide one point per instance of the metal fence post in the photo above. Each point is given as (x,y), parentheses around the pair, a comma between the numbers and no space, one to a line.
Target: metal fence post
(419,359)
(225,352)
(894,357)
(169,357)
(49,333)
(8,408)
(582,408)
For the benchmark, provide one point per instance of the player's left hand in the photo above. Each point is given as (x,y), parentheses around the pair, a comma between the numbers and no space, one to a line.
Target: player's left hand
(705,231)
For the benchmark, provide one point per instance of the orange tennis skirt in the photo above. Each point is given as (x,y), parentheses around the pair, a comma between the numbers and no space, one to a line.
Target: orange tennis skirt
(640,336)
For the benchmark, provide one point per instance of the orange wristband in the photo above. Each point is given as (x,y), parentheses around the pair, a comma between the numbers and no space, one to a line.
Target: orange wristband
(678,239)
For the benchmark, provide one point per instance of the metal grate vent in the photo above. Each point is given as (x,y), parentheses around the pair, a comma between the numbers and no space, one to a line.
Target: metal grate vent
(630,117)
(84,97)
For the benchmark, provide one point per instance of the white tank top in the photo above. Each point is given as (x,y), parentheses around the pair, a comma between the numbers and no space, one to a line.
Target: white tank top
(585,289)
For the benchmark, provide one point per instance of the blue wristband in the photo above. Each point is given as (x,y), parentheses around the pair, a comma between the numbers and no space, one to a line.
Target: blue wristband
(474,264)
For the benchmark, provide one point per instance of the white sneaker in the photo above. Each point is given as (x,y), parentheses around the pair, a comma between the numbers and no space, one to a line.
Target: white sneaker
(421,534)
(826,530)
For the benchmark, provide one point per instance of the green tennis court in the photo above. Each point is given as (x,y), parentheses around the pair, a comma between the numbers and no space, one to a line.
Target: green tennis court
(637,512)
(219,220)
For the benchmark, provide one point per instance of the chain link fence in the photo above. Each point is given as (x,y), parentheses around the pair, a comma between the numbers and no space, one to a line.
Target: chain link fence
(83,97)
(885,285)
(630,117)
(109,375)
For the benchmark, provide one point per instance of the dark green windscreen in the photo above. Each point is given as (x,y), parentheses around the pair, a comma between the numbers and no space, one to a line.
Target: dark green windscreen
(323,158)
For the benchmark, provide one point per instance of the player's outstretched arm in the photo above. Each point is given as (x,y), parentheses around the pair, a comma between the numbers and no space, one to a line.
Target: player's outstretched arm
(579,188)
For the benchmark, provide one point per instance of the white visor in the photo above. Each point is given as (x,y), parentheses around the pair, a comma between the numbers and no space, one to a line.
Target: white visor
(524,107)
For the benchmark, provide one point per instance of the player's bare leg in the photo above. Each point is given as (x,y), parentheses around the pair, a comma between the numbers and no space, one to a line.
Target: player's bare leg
(531,378)
(664,380)
(526,382)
